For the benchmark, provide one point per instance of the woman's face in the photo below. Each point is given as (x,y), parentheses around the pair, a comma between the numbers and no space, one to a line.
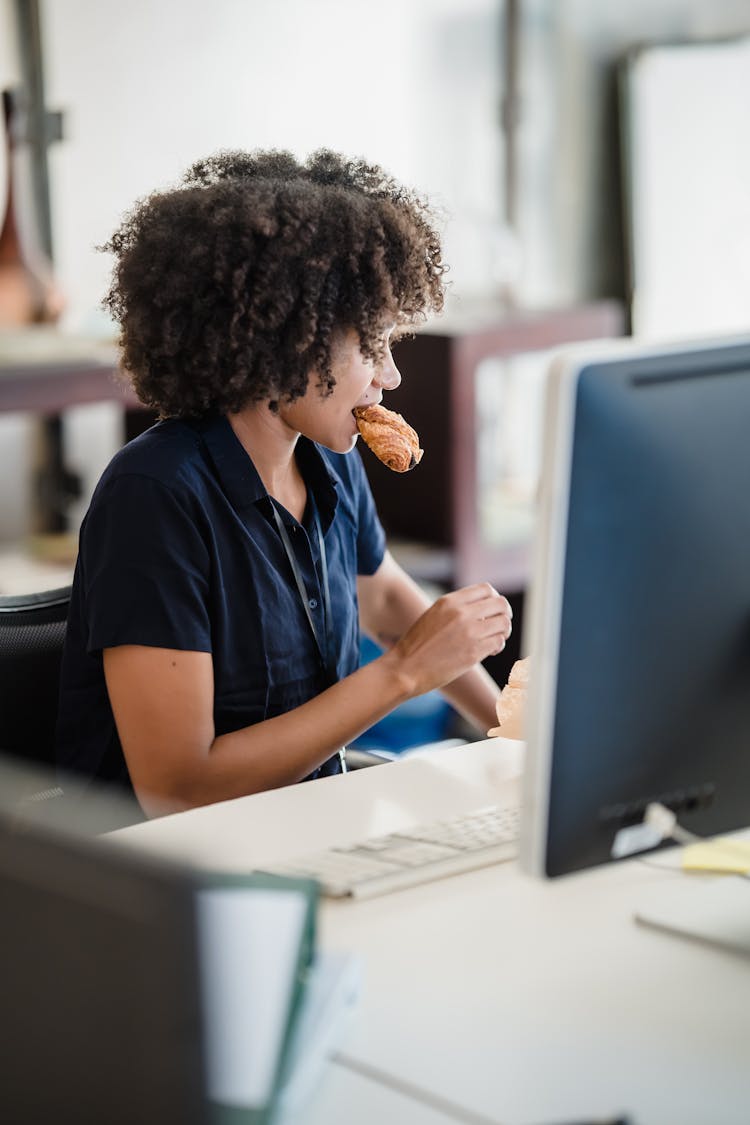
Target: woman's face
(328,419)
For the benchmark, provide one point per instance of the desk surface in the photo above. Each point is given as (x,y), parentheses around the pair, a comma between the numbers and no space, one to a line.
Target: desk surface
(348,1097)
(516,999)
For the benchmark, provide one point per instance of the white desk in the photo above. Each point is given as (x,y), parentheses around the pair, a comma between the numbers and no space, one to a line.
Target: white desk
(521,1001)
(345,1097)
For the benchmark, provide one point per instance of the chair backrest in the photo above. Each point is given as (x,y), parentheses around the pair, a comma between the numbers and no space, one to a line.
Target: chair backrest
(32,632)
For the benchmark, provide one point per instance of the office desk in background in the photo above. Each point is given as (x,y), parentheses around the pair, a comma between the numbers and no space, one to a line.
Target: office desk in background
(519,1001)
(45,372)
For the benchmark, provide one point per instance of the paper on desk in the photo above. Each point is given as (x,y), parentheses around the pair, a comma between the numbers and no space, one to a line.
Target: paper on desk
(723,855)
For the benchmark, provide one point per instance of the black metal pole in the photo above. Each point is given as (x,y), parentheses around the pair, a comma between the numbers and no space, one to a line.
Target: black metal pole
(510,113)
(43,127)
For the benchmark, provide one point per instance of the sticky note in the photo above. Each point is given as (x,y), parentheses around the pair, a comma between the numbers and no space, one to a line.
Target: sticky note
(722,854)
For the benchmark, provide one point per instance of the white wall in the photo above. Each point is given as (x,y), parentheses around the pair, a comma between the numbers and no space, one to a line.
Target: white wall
(149,87)
(570,195)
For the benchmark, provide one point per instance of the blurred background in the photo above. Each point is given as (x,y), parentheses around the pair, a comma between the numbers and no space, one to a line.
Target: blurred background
(589,161)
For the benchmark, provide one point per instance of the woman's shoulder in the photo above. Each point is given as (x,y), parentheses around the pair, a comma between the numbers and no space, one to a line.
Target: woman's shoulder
(163,452)
(168,454)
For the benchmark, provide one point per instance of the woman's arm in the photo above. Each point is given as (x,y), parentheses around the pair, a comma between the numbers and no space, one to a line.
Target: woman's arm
(162,701)
(389,603)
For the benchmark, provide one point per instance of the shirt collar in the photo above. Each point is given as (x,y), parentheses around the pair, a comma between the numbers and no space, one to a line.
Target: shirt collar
(241,481)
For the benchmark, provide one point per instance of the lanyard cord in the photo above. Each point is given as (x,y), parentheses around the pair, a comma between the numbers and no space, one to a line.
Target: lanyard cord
(321,642)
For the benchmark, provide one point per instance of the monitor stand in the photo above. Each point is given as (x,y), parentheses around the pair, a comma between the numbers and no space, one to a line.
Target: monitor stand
(715,912)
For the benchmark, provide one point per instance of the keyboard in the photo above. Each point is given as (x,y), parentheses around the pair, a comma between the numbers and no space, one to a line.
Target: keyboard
(380,864)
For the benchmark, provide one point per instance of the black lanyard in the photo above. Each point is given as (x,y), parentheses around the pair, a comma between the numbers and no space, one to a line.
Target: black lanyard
(322,642)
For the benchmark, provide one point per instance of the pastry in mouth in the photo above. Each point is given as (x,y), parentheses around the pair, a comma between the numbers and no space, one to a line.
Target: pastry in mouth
(391,439)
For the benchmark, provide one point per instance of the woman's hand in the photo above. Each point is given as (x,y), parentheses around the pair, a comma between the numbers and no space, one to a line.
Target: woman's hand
(458,631)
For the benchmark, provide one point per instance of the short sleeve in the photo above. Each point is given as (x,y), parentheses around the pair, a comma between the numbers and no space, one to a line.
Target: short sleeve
(144,568)
(370,534)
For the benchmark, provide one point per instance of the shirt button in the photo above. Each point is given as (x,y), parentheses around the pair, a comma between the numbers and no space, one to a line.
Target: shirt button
(313,603)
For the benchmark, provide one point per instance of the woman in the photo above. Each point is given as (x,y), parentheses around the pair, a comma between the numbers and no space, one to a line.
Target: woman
(232,552)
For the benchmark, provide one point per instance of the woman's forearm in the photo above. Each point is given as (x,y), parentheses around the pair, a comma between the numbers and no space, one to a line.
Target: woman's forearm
(474,695)
(175,766)
(163,704)
(287,748)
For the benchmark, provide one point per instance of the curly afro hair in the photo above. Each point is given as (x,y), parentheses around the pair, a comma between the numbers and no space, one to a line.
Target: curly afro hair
(229,288)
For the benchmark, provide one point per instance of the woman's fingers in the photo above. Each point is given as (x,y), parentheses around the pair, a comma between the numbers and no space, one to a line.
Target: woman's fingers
(493,618)
(491,609)
(480,612)
(459,630)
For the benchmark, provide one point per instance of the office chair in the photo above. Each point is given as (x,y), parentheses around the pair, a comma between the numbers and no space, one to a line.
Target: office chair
(32,631)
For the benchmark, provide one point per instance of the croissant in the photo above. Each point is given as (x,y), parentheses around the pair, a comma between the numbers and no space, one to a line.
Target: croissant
(511,704)
(390,438)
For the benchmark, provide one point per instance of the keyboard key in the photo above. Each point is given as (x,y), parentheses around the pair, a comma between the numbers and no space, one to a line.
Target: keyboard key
(390,862)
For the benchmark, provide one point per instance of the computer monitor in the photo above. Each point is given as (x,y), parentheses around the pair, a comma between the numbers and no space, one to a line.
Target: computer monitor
(138,988)
(639,631)
(99,972)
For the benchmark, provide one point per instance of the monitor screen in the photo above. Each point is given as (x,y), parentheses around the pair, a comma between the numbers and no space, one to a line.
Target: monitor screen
(640,606)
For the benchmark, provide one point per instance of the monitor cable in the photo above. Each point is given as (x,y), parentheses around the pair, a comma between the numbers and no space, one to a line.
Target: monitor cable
(663,822)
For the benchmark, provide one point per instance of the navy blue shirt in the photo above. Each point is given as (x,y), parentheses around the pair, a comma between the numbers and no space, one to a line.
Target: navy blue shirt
(179,549)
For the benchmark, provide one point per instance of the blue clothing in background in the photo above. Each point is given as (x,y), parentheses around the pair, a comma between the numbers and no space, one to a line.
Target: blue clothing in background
(179,550)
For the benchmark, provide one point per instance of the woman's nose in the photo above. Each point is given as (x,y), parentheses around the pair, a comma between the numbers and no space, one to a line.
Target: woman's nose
(387,375)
